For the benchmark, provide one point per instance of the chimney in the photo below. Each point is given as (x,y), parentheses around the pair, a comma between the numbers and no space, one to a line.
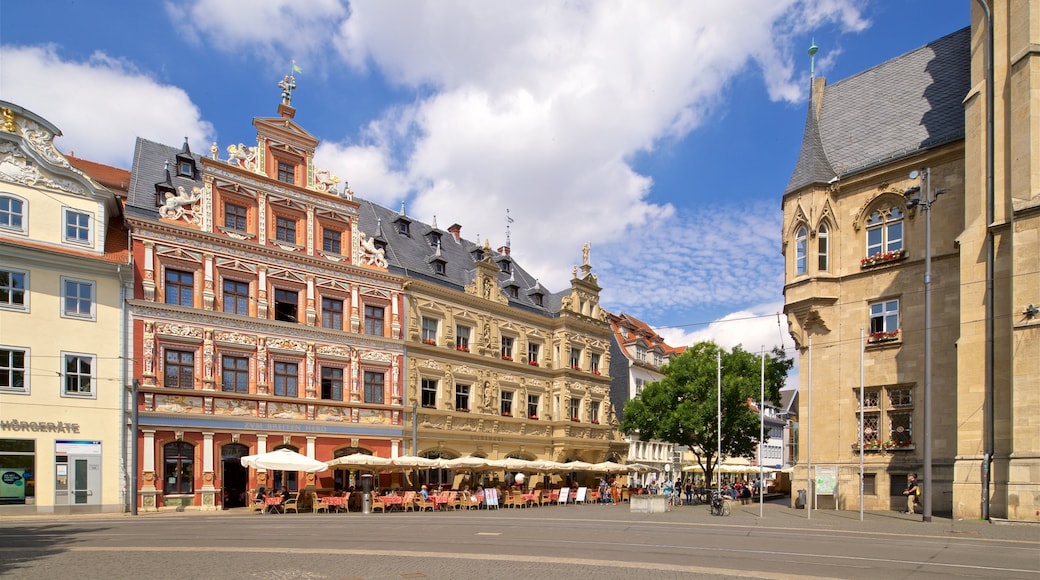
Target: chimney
(504,250)
(455,230)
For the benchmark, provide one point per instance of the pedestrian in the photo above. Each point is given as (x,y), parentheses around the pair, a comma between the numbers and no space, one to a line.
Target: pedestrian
(912,493)
(688,490)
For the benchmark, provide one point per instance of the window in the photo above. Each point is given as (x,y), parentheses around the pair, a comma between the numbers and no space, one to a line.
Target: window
(234,375)
(179,369)
(869,484)
(77,227)
(285,229)
(507,403)
(285,305)
(235,217)
(594,362)
(180,287)
(286,379)
(462,338)
(532,353)
(641,354)
(18,457)
(822,247)
(184,168)
(286,172)
(332,383)
(236,297)
(594,411)
(374,320)
(885,231)
(13,370)
(79,375)
(574,408)
(77,298)
(575,358)
(439,267)
(332,313)
(374,386)
(639,386)
(462,397)
(331,241)
(532,406)
(429,393)
(537,298)
(800,240)
(429,330)
(894,405)
(507,347)
(402,227)
(884,317)
(12,289)
(435,239)
(506,266)
(179,467)
(513,292)
(12,214)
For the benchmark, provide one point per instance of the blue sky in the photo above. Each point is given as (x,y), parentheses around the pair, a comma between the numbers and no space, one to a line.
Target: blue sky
(663,132)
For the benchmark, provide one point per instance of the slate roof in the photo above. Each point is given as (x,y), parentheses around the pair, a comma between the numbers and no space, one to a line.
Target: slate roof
(911,103)
(413,255)
(150,159)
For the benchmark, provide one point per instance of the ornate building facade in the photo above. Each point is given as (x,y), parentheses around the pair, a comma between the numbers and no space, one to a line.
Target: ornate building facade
(261,320)
(65,273)
(637,354)
(498,366)
(856,260)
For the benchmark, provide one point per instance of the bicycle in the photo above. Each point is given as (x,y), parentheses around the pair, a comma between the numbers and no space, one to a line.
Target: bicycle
(719,505)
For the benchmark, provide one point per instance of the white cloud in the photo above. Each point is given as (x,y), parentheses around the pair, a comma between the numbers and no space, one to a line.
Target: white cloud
(754,328)
(100,105)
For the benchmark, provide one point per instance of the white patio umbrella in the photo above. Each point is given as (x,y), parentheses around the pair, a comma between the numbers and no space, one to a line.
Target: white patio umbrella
(512,464)
(359,461)
(468,462)
(575,466)
(415,462)
(283,460)
(609,467)
(638,468)
(693,469)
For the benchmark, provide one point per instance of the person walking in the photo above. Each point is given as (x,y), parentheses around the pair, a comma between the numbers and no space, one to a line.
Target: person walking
(912,492)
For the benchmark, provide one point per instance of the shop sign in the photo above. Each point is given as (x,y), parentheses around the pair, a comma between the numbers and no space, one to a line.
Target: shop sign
(40,426)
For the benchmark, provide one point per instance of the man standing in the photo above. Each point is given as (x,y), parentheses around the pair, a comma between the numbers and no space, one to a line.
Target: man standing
(913,489)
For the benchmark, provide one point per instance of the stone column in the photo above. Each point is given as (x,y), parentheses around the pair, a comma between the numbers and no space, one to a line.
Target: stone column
(148,490)
(209,491)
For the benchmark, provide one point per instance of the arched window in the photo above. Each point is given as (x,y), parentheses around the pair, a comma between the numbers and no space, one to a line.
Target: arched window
(800,240)
(823,247)
(885,231)
(288,480)
(179,467)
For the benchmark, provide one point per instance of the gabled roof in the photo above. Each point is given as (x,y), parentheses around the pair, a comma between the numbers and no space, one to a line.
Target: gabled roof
(911,103)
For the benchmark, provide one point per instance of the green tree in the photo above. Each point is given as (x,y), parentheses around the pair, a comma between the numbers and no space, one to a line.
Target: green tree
(681,408)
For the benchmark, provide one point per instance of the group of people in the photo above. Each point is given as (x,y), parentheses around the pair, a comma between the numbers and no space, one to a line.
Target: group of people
(262,494)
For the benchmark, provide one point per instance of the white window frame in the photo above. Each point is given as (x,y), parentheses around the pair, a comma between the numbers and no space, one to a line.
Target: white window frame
(823,249)
(24,306)
(92,394)
(884,310)
(26,375)
(801,246)
(66,214)
(430,328)
(23,214)
(65,313)
(883,221)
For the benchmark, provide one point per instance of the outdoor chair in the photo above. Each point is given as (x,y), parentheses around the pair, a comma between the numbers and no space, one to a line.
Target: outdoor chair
(409,501)
(377,504)
(424,504)
(292,504)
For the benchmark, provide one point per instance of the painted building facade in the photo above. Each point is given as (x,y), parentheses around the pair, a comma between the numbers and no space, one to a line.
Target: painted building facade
(63,278)
(261,320)
(855,263)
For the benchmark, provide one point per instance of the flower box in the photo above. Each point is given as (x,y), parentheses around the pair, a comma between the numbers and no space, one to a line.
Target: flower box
(462,348)
(463,410)
(899,445)
(595,372)
(878,337)
(505,357)
(533,417)
(575,367)
(882,258)
(533,363)
(595,422)
(575,419)
(429,341)
(429,406)
(507,414)
(867,446)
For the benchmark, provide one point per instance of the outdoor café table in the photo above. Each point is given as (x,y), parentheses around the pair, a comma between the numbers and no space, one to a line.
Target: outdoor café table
(274,505)
(527,497)
(393,502)
(333,502)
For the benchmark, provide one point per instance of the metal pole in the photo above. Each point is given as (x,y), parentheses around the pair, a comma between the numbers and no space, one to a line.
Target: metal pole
(762,438)
(927,517)
(862,348)
(808,437)
(134,454)
(718,406)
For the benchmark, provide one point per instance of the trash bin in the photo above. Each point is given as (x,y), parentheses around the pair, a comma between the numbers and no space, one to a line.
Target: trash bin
(799,502)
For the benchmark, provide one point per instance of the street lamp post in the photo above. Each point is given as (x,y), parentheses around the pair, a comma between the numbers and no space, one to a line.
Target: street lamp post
(915,197)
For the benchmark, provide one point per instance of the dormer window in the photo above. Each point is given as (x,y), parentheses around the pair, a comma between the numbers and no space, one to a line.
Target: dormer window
(513,291)
(538,298)
(380,245)
(506,266)
(185,169)
(478,254)
(402,228)
(435,239)
(286,172)
(439,267)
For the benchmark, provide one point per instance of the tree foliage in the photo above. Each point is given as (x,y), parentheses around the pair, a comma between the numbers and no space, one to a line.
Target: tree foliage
(681,408)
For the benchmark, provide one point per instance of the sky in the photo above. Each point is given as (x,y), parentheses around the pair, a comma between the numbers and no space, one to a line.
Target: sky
(662,132)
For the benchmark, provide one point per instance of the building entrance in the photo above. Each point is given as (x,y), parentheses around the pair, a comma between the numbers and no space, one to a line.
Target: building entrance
(235,476)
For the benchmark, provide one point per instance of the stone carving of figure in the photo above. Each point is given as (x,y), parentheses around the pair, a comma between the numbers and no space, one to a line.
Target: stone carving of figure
(370,254)
(288,85)
(585,253)
(325,180)
(174,206)
(8,120)
(487,335)
(241,155)
(489,403)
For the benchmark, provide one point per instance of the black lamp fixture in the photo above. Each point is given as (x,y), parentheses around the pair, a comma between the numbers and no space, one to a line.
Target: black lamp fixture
(1031,312)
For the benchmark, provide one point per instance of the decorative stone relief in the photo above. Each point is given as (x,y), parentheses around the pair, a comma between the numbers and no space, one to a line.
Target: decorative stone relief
(369,254)
(242,156)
